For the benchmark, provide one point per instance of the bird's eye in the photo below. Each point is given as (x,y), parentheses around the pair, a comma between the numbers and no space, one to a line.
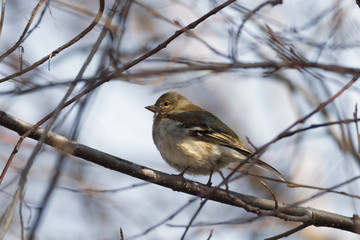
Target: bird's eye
(166,104)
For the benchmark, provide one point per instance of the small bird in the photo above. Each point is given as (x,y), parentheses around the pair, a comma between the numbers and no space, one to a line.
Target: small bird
(195,141)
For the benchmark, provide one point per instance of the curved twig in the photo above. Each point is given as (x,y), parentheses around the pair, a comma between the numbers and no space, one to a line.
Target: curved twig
(58,50)
(17,44)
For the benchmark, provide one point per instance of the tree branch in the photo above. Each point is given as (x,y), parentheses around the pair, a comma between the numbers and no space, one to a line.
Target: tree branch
(259,206)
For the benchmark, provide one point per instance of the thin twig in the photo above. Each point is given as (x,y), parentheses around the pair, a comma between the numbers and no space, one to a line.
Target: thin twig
(288,233)
(234,46)
(3,2)
(202,204)
(271,192)
(18,144)
(357,130)
(43,136)
(60,49)
(171,216)
(17,44)
(261,150)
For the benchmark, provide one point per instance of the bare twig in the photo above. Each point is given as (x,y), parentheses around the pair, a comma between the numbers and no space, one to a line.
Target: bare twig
(92,25)
(314,126)
(171,216)
(202,204)
(60,49)
(261,150)
(292,231)
(271,192)
(17,44)
(355,114)
(234,46)
(53,116)
(3,2)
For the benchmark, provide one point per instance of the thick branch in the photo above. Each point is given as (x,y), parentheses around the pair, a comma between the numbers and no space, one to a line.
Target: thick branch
(258,206)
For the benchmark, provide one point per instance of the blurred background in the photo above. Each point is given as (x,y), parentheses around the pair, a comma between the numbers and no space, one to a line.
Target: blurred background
(229,65)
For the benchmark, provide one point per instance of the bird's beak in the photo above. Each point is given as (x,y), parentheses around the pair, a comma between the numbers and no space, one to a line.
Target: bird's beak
(153,108)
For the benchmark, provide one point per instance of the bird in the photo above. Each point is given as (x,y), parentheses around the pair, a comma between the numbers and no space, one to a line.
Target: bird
(195,141)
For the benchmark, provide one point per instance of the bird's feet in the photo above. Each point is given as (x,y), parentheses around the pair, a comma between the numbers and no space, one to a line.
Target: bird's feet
(181,174)
(209,183)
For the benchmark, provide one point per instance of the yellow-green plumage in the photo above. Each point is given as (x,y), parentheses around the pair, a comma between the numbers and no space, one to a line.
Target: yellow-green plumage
(193,139)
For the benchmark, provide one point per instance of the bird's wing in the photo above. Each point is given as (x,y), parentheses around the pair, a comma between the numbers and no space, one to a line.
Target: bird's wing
(207,127)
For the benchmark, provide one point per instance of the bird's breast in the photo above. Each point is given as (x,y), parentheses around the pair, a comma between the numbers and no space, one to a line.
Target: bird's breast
(181,150)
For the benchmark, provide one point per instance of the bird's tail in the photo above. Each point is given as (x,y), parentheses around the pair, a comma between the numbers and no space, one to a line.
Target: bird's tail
(262,165)
(270,169)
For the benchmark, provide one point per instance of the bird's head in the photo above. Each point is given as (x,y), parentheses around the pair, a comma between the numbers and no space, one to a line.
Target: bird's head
(170,103)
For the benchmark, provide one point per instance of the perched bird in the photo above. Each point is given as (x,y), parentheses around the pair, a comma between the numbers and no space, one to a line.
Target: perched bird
(195,141)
